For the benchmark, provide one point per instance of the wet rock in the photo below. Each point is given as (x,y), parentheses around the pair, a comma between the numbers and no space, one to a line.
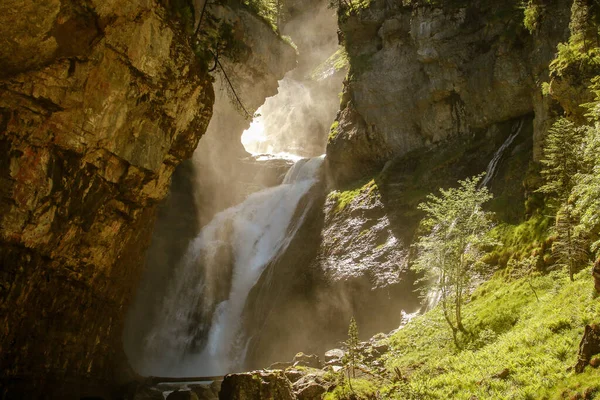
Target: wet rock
(293,374)
(334,356)
(307,360)
(257,385)
(207,392)
(280,365)
(380,348)
(311,391)
(311,386)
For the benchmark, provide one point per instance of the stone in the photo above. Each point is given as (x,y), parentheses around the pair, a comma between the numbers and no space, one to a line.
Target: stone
(588,347)
(307,360)
(280,365)
(334,355)
(256,385)
(293,374)
(311,386)
(502,374)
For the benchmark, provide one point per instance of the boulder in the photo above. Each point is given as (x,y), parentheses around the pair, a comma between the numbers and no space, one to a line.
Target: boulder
(307,360)
(334,356)
(270,385)
(280,365)
(293,374)
(310,387)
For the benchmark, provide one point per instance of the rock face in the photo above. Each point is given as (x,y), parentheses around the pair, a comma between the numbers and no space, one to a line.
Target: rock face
(421,74)
(98,105)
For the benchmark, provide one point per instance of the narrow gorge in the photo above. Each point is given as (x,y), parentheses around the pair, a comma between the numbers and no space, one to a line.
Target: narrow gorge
(286,199)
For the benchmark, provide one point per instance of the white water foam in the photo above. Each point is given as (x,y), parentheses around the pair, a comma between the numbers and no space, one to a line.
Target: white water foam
(253,233)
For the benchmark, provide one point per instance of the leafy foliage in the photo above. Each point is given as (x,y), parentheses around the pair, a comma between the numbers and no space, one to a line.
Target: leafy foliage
(533,13)
(457,233)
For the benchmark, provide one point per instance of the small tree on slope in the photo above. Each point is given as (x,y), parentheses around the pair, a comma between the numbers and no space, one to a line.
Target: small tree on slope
(457,229)
(563,161)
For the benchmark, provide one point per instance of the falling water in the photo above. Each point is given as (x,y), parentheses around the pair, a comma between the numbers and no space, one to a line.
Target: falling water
(198,331)
(491,169)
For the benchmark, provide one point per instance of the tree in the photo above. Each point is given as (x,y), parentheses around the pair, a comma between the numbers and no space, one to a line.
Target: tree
(587,188)
(457,228)
(562,163)
(352,357)
(570,247)
(562,159)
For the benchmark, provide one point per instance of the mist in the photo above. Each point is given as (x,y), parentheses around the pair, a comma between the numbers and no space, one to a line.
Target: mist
(172,331)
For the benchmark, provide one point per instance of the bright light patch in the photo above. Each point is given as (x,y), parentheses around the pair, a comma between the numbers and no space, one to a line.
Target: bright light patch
(254,136)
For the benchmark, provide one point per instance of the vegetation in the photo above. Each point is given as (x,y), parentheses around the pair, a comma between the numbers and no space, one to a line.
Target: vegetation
(344,197)
(269,10)
(526,321)
(457,228)
(520,347)
(533,13)
(352,355)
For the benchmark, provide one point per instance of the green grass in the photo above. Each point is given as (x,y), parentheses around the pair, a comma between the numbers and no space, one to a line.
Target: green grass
(361,389)
(537,341)
(529,238)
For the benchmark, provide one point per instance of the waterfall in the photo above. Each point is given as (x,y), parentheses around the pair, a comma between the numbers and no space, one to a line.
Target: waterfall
(491,169)
(198,329)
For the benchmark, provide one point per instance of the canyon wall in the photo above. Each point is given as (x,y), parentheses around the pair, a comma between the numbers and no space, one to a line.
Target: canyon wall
(99,102)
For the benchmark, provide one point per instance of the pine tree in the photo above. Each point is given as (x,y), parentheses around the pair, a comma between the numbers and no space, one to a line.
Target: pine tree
(570,248)
(457,232)
(562,159)
(352,343)
(563,163)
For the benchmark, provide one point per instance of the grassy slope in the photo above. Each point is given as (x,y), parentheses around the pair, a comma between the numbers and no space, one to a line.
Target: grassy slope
(537,341)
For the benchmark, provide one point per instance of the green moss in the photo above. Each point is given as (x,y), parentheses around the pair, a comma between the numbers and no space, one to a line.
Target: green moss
(345,197)
(532,14)
(537,341)
(530,238)
(333,131)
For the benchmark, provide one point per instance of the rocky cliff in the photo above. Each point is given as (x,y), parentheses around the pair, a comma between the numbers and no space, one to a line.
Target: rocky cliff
(99,102)
(422,73)
(434,91)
